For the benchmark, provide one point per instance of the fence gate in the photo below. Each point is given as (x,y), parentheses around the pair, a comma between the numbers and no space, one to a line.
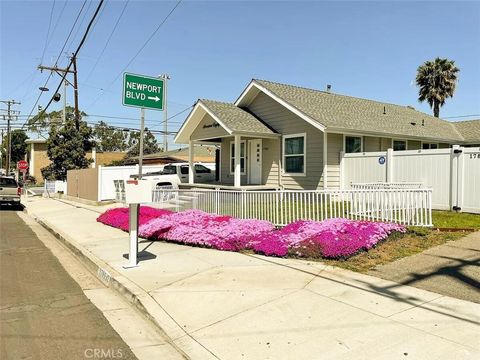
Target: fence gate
(453,174)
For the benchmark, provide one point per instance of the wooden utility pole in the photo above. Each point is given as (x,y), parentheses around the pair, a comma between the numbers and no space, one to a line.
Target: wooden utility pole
(61,72)
(9,140)
(75,90)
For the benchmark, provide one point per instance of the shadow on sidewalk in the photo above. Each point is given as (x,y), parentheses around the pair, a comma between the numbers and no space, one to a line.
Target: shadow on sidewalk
(143,254)
(386,291)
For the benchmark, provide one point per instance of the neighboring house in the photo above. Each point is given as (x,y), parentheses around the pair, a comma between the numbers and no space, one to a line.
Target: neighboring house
(470,130)
(205,154)
(279,135)
(38,157)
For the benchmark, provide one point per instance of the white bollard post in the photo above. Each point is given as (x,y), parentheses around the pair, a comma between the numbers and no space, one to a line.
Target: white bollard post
(133,232)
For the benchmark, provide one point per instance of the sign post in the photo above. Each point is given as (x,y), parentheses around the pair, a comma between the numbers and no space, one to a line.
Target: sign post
(144,92)
(22,166)
(136,192)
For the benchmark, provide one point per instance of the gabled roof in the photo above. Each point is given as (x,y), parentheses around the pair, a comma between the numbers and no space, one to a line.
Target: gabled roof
(470,130)
(340,112)
(235,119)
(232,118)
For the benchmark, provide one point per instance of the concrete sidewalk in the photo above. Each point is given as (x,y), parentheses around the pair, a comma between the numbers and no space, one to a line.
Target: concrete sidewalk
(223,305)
(451,269)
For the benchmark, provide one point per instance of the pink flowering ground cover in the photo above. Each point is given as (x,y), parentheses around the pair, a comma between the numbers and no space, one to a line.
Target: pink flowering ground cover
(332,238)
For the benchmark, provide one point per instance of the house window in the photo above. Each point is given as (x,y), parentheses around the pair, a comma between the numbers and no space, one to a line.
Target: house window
(242,157)
(427,146)
(399,145)
(353,144)
(294,154)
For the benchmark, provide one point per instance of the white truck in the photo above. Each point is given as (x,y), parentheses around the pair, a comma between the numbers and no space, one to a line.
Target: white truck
(177,173)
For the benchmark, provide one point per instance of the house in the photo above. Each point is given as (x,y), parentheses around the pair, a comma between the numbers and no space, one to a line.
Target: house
(38,158)
(205,154)
(278,135)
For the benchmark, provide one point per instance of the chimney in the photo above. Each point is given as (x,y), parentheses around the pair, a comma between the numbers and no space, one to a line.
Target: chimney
(329,87)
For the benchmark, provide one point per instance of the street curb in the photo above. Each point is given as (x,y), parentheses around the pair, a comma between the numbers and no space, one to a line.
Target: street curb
(131,292)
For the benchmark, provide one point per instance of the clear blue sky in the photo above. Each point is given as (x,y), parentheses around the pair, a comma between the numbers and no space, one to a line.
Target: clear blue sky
(213,49)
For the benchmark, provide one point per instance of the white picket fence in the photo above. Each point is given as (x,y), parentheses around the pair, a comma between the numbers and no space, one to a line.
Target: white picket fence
(404,206)
(453,174)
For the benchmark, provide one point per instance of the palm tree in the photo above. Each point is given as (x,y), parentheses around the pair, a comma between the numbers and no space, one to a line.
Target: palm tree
(437,80)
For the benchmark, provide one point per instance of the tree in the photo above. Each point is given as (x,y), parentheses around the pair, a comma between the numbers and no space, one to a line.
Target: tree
(150,145)
(109,138)
(18,148)
(437,80)
(66,148)
(43,121)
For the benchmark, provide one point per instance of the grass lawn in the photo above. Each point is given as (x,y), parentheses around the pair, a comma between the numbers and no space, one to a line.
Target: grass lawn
(451,219)
(397,246)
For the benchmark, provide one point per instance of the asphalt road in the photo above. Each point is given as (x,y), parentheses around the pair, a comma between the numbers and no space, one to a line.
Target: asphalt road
(44,313)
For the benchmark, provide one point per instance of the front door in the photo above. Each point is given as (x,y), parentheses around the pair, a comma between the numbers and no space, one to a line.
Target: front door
(255,162)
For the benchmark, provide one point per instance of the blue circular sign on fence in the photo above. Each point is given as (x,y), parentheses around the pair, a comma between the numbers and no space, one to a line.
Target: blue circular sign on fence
(381,160)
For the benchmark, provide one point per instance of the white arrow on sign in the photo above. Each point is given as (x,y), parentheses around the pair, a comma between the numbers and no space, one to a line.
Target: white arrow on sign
(156,98)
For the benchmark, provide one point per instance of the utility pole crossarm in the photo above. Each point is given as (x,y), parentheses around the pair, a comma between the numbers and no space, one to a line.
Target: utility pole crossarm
(54,68)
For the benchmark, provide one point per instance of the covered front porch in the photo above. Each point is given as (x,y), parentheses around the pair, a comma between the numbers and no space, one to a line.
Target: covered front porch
(249,152)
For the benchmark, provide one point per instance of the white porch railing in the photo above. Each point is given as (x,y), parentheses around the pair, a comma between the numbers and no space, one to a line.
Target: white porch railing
(385,185)
(281,207)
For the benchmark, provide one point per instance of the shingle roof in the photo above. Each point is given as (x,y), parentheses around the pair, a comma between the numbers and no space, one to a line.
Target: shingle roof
(350,113)
(470,130)
(180,152)
(236,119)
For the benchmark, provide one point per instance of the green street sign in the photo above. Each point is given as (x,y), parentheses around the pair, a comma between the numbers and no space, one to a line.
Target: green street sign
(142,91)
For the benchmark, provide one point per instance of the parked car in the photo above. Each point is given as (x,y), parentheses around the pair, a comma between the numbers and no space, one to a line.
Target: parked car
(10,191)
(174,174)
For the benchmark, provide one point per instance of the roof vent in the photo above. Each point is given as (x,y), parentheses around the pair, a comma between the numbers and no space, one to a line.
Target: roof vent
(329,87)
(384,111)
(410,107)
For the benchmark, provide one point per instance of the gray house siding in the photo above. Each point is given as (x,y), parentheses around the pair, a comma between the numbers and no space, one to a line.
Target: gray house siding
(335,146)
(284,122)
(208,128)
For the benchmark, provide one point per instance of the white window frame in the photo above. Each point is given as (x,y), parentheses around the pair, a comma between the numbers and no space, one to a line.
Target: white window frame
(284,137)
(430,144)
(397,139)
(345,142)
(232,157)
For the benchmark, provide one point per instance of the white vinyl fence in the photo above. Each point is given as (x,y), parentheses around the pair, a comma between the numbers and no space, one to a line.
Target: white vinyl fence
(54,186)
(107,175)
(281,207)
(453,174)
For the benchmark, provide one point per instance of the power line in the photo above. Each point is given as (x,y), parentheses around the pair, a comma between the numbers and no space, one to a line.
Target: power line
(139,51)
(56,62)
(148,40)
(108,41)
(70,33)
(56,23)
(79,27)
(460,116)
(72,60)
(48,31)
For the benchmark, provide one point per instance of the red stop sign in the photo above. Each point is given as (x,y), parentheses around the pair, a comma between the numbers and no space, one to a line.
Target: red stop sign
(22,165)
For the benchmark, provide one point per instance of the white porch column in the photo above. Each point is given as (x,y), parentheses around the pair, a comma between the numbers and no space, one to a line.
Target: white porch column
(238,170)
(325,160)
(191,177)
(31,168)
